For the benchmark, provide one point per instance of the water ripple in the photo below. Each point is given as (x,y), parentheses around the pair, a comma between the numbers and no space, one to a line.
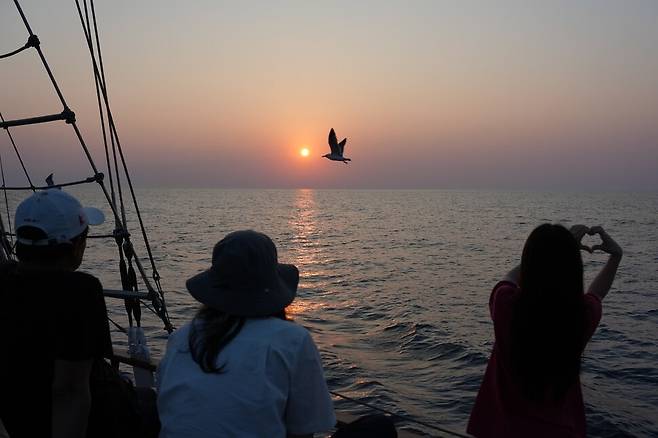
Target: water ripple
(395,284)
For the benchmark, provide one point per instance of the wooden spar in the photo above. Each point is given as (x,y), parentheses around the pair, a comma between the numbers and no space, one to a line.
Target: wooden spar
(118,293)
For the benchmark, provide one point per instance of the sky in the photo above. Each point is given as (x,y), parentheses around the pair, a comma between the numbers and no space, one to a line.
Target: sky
(559,95)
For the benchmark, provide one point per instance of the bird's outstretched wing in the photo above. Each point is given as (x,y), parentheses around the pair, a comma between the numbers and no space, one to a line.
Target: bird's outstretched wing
(333,142)
(341,146)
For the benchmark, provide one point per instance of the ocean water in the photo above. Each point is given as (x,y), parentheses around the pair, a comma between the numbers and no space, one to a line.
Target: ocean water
(395,284)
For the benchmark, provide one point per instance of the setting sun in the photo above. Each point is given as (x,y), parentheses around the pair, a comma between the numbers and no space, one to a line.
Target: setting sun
(304,152)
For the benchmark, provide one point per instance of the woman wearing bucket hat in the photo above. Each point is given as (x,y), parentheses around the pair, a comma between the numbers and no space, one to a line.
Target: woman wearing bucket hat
(239,368)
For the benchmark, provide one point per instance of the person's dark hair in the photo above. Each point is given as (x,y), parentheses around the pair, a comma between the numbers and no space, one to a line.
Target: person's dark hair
(47,253)
(547,337)
(212,330)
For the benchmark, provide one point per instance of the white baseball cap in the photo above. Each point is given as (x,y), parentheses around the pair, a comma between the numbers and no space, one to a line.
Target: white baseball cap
(59,215)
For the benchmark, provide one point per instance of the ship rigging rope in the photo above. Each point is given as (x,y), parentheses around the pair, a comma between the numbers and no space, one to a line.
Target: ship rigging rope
(400,416)
(78,134)
(113,130)
(31,42)
(19,50)
(123,238)
(158,306)
(103,130)
(2,170)
(91,179)
(18,154)
(158,296)
(131,306)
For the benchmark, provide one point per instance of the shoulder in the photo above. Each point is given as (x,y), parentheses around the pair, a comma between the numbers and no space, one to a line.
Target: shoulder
(278,327)
(78,291)
(177,341)
(80,284)
(279,335)
(179,335)
(506,288)
(85,280)
(70,281)
(504,294)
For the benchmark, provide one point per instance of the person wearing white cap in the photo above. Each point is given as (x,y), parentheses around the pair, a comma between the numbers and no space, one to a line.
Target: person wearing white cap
(53,322)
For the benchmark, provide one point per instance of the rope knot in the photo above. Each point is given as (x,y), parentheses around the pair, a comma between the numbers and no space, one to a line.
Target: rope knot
(68,115)
(33,41)
(128,249)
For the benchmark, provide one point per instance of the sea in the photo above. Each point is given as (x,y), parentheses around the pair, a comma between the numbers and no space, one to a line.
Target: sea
(395,285)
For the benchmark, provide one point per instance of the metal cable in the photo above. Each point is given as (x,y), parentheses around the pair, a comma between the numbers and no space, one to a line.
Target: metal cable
(114,137)
(400,416)
(44,62)
(121,329)
(2,170)
(117,225)
(100,84)
(102,119)
(86,150)
(113,131)
(145,304)
(91,236)
(120,149)
(43,59)
(100,80)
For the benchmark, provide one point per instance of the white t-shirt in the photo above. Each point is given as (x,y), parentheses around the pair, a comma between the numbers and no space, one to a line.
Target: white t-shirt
(272,384)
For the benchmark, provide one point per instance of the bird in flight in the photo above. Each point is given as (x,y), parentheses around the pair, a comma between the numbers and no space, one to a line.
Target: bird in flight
(336,148)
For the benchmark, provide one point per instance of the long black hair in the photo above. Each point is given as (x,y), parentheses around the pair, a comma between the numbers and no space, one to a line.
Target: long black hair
(212,330)
(548,319)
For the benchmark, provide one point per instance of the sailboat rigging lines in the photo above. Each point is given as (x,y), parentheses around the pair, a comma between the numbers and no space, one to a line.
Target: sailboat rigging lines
(129,263)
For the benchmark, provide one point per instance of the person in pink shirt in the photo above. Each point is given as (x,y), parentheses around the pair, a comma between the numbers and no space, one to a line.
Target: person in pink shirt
(542,321)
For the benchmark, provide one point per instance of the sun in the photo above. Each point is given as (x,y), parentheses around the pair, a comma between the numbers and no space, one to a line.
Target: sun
(304,152)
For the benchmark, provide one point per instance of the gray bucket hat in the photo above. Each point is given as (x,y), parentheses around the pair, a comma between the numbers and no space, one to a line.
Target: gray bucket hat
(245,278)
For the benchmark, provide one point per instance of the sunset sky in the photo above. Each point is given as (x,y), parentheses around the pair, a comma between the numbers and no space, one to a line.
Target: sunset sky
(430,94)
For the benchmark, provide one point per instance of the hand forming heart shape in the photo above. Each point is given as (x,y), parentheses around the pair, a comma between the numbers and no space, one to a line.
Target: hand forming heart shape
(579,231)
(607,243)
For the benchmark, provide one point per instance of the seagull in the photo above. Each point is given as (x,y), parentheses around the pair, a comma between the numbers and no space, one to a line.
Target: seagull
(336,148)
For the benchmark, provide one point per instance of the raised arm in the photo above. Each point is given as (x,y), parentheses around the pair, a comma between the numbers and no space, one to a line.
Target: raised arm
(603,281)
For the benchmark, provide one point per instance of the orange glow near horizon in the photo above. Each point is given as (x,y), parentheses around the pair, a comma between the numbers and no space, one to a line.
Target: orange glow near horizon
(519,97)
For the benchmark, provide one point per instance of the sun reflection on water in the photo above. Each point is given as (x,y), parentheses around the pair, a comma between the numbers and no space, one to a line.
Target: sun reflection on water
(303,225)
(306,248)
